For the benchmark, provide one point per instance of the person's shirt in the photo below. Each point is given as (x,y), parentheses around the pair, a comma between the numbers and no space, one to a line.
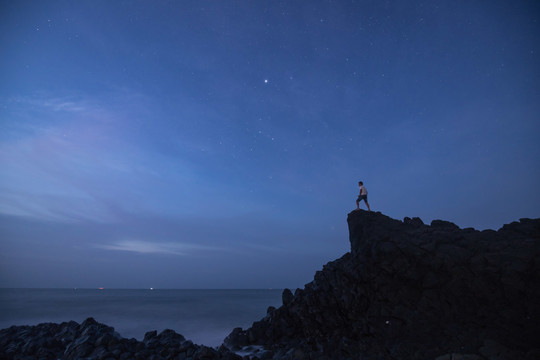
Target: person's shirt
(363,190)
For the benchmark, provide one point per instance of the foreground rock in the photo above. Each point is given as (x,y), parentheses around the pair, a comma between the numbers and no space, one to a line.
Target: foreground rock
(412,291)
(92,340)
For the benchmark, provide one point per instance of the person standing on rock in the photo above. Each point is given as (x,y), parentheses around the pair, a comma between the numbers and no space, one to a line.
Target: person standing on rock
(362,196)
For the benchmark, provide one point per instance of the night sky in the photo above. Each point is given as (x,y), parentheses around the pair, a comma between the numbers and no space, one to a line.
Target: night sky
(219,144)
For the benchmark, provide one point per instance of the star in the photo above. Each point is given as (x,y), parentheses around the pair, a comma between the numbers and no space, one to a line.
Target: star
(266,81)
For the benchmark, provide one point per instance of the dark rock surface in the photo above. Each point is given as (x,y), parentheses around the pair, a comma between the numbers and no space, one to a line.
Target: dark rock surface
(92,340)
(412,291)
(406,290)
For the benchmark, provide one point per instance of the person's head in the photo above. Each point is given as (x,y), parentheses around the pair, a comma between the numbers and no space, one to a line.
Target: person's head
(360,183)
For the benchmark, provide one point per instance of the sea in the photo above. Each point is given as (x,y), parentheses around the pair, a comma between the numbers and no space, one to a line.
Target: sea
(205,317)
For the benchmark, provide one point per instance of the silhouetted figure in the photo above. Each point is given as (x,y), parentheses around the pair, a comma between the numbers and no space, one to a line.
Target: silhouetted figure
(362,196)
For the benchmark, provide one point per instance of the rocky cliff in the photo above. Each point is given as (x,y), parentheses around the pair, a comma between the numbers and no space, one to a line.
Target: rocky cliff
(408,290)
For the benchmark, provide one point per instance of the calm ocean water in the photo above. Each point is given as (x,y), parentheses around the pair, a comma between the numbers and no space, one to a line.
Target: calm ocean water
(203,316)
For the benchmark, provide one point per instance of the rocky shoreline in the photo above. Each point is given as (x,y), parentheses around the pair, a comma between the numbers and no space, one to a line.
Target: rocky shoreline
(406,290)
(93,340)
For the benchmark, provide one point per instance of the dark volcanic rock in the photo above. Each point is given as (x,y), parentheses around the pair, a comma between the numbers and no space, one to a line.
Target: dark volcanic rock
(92,340)
(412,291)
(287,296)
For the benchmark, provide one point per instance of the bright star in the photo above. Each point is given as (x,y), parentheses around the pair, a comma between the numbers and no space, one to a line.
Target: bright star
(266,81)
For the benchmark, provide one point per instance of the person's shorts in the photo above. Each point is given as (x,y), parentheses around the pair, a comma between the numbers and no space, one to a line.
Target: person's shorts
(362,197)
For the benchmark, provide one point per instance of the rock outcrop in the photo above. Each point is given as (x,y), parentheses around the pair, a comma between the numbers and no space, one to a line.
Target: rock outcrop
(406,290)
(92,340)
(412,291)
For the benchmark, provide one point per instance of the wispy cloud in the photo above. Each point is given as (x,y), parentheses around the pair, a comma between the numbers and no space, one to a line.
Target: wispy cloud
(148,247)
(69,104)
(82,157)
(76,158)
(66,208)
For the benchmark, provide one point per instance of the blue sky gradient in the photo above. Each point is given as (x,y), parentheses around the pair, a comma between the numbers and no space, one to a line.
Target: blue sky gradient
(218,144)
